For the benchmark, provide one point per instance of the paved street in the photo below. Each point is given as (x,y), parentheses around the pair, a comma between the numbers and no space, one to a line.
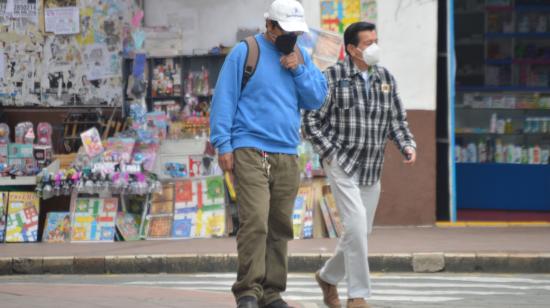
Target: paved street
(212,290)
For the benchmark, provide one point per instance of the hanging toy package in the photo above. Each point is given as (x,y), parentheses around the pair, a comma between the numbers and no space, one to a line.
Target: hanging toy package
(24,132)
(44,131)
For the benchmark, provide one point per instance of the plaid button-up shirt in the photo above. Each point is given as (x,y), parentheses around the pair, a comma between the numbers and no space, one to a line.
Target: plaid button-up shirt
(353,124)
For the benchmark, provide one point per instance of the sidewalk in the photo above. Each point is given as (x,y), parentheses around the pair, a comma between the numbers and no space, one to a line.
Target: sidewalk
(404,249)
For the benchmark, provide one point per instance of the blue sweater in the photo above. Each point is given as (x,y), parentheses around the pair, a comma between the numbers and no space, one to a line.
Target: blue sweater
(266,115)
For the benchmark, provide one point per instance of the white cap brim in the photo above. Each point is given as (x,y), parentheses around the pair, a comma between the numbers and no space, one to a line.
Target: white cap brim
(294,26)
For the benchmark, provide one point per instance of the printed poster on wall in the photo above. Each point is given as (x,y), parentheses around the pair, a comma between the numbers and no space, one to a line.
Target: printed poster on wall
(97,62)
(63,20)
(19,9)
(336,15)
(22,223)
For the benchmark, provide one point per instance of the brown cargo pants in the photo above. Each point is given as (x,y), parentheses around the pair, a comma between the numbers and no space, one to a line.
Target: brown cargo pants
(266,189)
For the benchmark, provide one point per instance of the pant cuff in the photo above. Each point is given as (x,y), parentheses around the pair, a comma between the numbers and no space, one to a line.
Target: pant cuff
(359,294)
(327,279)
(243,294)
(270,298)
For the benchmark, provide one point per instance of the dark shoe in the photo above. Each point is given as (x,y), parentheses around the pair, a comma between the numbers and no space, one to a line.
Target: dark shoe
(278,304)
(330,292)
(247,302)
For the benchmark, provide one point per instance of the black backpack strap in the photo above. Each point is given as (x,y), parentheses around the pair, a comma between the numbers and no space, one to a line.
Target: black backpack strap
(252,58)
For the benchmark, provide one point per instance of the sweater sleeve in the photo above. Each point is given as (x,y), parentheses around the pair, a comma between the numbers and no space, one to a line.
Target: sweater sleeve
(226,97)
(310,84)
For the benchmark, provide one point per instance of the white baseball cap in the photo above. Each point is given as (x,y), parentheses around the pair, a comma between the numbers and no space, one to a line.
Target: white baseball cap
(289,14)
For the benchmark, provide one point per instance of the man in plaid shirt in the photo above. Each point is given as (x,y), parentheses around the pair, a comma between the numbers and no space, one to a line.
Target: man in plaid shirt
(350,131)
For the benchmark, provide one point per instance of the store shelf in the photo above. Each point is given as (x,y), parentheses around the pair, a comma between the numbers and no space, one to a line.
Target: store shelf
(533,8)
(499,108)
(499,8)
(502,89)
(165,98)
(498,61)
(18,181)
(503,135)
(503,186)
(531,61)
(494,35)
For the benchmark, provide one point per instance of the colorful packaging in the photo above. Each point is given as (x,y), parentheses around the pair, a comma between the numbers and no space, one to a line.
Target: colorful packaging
(119,149)
(92,142)
(44,131)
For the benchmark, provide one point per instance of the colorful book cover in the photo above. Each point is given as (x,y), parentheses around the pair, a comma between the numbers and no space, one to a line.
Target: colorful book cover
(160,226)
(3,211)
(94,220)
(92,142)
(333,210)
(298,214)
(22,222)
(58,227)
(199,209)
(128,226)
(308,222)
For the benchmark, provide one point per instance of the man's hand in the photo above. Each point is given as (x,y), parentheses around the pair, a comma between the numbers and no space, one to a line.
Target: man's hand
(290,61)
(410,152)
(226,162)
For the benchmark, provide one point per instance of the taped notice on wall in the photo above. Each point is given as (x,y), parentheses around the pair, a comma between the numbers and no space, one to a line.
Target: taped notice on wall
(63,20)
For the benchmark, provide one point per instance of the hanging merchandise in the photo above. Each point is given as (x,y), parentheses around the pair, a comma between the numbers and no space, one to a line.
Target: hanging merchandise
(44,131)
(92,142)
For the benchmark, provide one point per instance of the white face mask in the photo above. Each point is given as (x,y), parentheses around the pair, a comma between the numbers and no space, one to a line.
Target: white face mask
(371,54)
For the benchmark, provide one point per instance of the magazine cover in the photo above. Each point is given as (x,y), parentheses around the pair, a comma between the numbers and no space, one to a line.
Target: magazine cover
(22,222)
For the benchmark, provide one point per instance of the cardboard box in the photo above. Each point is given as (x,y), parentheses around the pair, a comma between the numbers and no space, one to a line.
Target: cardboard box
(20,150)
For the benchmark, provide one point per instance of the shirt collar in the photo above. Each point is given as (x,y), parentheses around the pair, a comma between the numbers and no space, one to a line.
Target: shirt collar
(351,69)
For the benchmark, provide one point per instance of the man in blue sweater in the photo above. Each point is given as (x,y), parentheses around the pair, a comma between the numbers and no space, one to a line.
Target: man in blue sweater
(256,131)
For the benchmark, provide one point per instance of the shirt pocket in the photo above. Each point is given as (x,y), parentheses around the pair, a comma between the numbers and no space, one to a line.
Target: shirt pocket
(380,97)
(345,96)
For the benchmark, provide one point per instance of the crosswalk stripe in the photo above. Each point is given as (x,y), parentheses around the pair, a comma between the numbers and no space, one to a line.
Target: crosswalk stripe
(376,284)
(289,295)
(376,291)
(376,277)
(423,299)
(467,279)
(457,285)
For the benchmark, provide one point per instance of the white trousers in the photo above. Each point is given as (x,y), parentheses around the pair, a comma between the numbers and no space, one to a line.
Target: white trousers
(356,205)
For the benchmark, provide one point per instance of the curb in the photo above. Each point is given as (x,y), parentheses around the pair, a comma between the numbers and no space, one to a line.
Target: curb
(153,264)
